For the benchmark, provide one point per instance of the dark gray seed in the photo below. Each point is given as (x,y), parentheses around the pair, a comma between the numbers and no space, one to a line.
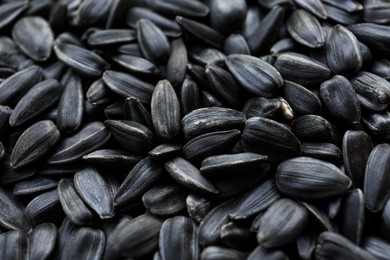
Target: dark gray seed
(376,246)
(231,163)
(282,223)
(305,29)
(372,91)
(12,212)
(189,96)
(340,100)
(352,216)
(312,128)
(378,123)
(166,151)
(268,4)
(87,139)
(252,20)
(283,45)
(34,37)
(168,200)
(45,207)
(217,252)
(268,137)
(308,178)
(340,16)
(374,35)
(211,224)
(19,83)
(209,100)
(152,41)
(80,59)
(314,6)
(255,75)
(263,36)
(169,27)
(210,144)
(138,181)
(10,175)
(348,5)
(227,17)
(12,244)
(5,113)
(322,151)
(126,85)
(198,206)
(165,111)
(306,243)
(334,246)
(185,8)
(205,55)
(181,245)
(54,70)
(115,110)
(131,49)
(2,152)
(136,65)
(131,135)
(84,243)
(381,67)
(343,54)
(64,232)
(376,178)
(236,44)
(91,11)
(199,74)
(112,158)
(35,101)
(273,108)
(71,105)
(224,85)
(73,206)
(211,119)
(260,252)
(255,201)
(69,38)
(334,206)
(135,111)
(110,37)
(98,93)
(70,169)
(189,176)
(177,63)
(111,250)
(301,100)
(237,236)
(137,237)
(10,10)
(42,241)
(376,12)
(385,220)
(357,146)
(35,142)
(301,69)
(201,32)
(319,217)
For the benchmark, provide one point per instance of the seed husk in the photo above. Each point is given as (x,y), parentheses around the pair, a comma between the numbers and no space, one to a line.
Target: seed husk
(43,208)
(377,247)
(227,17)
(12,245)
(236,44)
(111,37)
(42,241)
(218,252)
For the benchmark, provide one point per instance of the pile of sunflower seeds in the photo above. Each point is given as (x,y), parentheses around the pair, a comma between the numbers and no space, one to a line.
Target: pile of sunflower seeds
(194,129)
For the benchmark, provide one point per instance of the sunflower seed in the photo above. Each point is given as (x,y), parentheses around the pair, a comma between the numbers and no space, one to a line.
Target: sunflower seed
(197,206)
(237,236)
(169,27)
(217,252)
(128,86)
(381,67)
(319,217)
(136,65)
(131,49)
(314,6)
(12,245)
(2,152)
(313,178)
(84,243)
(255,75)
(19,83)
(377,247)
(268,137)
(201,32)
(42,241)
(273,108)
(205,55)
(261,252)
(375,12)
(152,41)
(5,113)
(10,10)
(138,181)
(91,11)
(80,59)
(227,17)
(376,179)
(312,128)
(131,135)
(112,158)
(45,207)
(348,6)
(283,45)
(183,244)
(306,72)
(87,139)
(209,100)
(185,8)
(306,243)
(323,151)
(236,44)
(111,37)
(305,29)
(12,212)
(34,143)
(189,176)
(34,37)
(98,93)
(378,123)
(189,96)
(135,111)
(301,100)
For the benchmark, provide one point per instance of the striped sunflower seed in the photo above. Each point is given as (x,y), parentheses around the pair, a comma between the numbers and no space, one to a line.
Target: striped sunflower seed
(177,63)
(185,8)
(273,108)
(90,11)
(136,65)
(348,6)
(135,111)
(12,244)
(10,10)
(236,44)
(111,37)
(260,252)
(190,96)
(378,247)
(237,236)
(314,6)
(112,158)
(301,100)
(33,186)
(319,216)
(197,206)
(308,178)
(323,151)
(42,241)
(205,55)
(43,208)
(218,252)
(5,113)
(98,93)
(35,142)
(312,128)
(227,17)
